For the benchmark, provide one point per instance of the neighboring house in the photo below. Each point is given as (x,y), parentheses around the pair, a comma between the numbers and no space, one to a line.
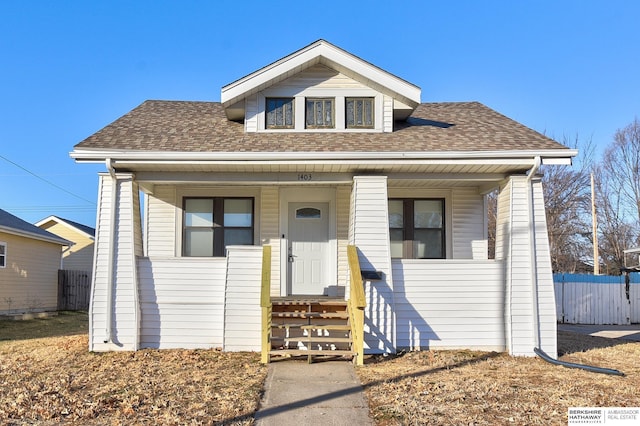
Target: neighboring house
(78,257)
(315,152)
(29,261)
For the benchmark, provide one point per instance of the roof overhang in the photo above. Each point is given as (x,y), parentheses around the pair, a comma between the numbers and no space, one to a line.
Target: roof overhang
(35,236)
(319,52)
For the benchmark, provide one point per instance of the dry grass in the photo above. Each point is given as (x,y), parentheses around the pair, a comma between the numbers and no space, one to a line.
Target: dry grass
(476,388)
(55,380)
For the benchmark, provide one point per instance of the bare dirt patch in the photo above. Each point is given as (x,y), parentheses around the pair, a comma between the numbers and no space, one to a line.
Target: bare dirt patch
(56,380)
(479,388)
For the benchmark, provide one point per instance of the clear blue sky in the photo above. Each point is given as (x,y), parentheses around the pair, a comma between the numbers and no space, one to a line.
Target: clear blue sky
(68,68)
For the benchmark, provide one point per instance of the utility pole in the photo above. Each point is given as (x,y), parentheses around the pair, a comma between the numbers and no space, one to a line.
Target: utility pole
(594,226)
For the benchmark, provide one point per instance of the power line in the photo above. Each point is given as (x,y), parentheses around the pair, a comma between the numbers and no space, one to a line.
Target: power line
(46,181)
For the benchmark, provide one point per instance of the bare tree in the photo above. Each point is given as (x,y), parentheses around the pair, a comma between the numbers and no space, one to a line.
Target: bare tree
(618,199)
(567,204)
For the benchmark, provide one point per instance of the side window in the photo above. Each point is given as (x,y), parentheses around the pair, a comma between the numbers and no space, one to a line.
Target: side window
(416,228)
(3,255)
(280,113)
(212,224)
(359,113)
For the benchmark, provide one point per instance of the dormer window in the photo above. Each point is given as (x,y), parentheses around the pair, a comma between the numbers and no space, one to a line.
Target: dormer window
(280,113)
(320,113)
(359,113)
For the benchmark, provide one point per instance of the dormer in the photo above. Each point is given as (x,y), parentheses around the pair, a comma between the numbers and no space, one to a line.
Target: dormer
(319,88)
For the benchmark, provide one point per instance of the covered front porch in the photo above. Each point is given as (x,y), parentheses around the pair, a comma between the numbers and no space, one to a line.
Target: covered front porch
(160,298)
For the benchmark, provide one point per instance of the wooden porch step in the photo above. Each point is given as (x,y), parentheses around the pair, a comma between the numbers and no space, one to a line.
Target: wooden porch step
(307,301)
(339,315)
(312,339)
(305,352)
(336,327)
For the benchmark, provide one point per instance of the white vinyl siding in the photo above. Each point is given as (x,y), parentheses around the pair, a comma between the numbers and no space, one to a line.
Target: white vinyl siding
(124,323)
(343,194)
(369,231)
(449,304)
(182,302)
(387,114)
(242,312)
(468,223)
(269,228)
(160,229)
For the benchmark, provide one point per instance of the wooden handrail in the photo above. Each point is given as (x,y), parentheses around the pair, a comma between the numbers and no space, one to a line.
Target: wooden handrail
(265,290)
(356,303)
(356,286)
(265,303)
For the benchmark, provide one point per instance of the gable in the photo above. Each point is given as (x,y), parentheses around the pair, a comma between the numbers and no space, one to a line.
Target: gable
(329,56)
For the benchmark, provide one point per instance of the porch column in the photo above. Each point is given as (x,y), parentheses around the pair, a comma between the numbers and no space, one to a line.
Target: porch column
(114,310)
(522,242)
(369,232)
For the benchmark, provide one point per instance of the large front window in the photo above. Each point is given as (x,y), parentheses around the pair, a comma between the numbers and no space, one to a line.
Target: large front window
(280,113)
(212,224)
(416,228)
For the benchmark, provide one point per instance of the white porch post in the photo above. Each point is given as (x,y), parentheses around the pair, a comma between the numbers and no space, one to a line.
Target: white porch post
(369,232)
(114,309)
(522,242)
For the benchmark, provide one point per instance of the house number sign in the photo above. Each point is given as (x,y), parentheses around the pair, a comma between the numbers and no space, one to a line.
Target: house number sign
(305,177)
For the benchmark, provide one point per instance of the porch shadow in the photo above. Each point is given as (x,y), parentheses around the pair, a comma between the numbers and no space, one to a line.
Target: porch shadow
(570,342)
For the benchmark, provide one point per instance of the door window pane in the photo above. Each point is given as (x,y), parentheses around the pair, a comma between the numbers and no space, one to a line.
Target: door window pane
(308,213)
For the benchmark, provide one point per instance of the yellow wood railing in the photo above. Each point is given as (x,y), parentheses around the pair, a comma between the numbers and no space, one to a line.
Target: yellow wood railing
(357,302)
(265,304)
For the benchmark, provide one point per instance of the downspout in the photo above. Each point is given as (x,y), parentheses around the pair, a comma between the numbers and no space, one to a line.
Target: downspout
(62,255)
(534,257)
(108,333)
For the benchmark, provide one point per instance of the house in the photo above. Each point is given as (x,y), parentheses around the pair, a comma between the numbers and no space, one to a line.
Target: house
(29,261)
(315,156)
(78,257)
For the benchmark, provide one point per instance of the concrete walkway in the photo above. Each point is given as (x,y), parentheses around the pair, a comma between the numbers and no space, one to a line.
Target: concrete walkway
(322,393)
(626,332)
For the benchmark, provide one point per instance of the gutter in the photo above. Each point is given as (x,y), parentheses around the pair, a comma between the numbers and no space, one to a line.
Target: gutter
(108,332)
(534,257)
(90,155)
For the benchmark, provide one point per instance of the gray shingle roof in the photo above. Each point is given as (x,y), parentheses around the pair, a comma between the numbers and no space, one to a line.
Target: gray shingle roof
(183,126)
(9,222)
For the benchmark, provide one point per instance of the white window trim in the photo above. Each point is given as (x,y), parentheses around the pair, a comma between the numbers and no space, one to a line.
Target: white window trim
(3,256)
(448,211)
(339,97)
(220,192)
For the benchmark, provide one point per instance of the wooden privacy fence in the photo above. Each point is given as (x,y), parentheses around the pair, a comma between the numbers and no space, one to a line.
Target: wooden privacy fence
(597,299)
(73,290)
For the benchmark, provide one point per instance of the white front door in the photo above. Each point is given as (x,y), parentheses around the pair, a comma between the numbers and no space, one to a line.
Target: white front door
(308,250)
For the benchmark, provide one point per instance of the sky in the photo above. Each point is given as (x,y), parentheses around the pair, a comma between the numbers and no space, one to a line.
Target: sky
(569,69)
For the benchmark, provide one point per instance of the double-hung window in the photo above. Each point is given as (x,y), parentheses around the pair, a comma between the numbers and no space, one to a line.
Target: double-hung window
(416,228)
(359,113)
(3,255)
(212,224)
(280,113)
